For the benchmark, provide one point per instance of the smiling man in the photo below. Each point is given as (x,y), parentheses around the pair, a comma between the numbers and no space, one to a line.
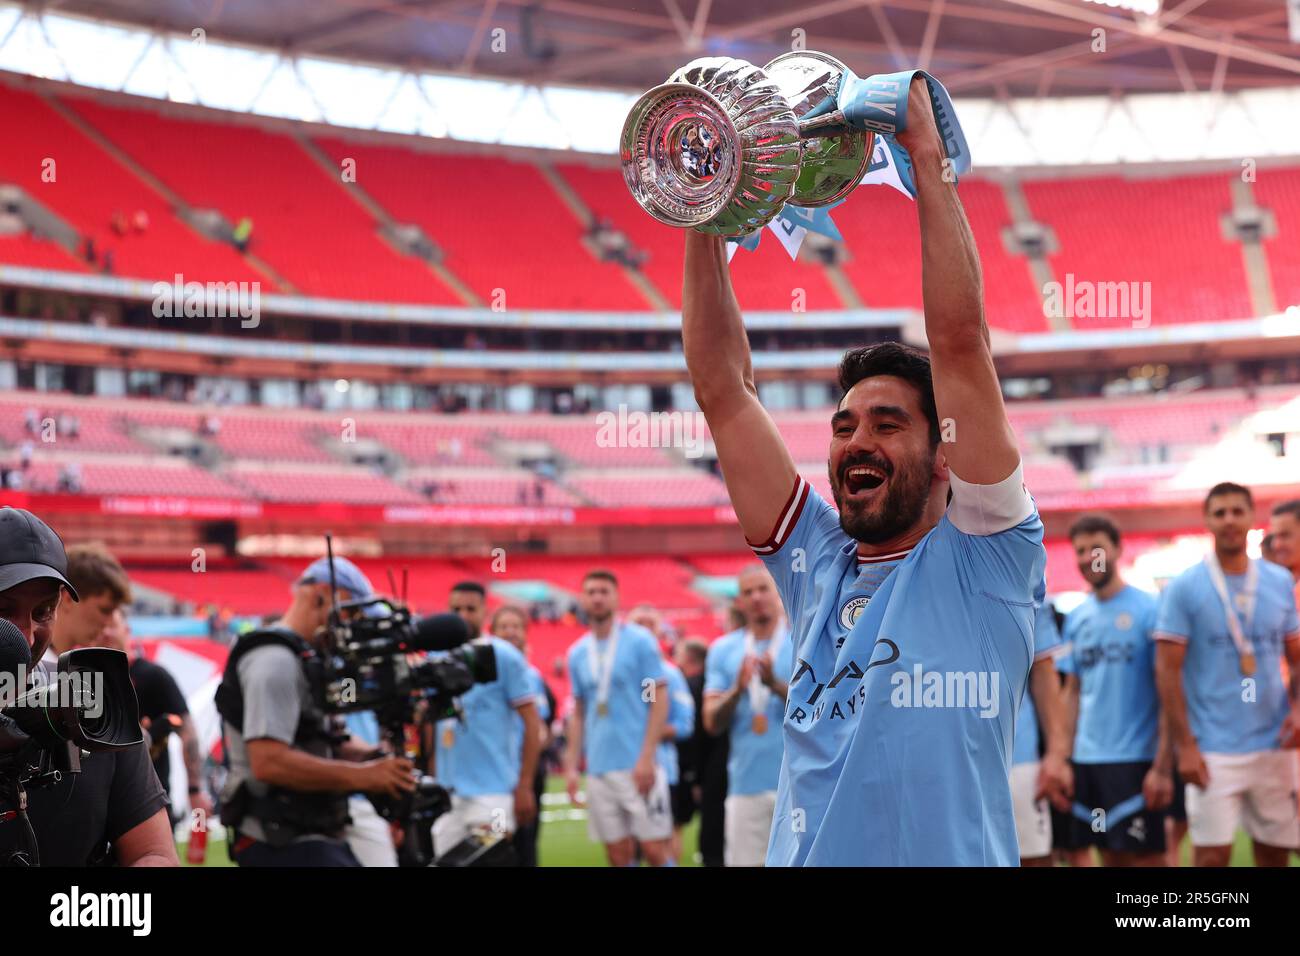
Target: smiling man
(1224,626)
(901,602)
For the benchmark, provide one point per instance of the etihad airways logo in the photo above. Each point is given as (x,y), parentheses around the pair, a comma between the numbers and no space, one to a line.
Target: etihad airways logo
(914,688)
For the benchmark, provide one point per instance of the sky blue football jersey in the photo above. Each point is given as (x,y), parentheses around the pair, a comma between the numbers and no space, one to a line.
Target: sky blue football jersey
(1109,648)
(1229,712)
(909,670)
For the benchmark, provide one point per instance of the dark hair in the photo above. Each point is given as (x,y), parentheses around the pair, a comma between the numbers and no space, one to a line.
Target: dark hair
(1228,488)
(1095,524)
(600,574)
(473,587)
(696,649)
(92,570)
(1291,508)
(892,358)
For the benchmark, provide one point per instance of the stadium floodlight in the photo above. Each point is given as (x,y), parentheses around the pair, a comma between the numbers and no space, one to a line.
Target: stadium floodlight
(1150,7)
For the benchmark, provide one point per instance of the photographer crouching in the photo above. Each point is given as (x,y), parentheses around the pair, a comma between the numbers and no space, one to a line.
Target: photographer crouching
(286,797)
(101,808)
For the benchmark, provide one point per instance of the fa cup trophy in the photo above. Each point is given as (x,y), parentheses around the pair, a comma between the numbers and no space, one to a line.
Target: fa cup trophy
(724,145)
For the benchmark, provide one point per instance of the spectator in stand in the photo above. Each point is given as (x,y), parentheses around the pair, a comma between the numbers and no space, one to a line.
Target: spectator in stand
(31,421)
(70,478)
(140,221)
(108,262)
(243,234)
(88,249)
(118,223)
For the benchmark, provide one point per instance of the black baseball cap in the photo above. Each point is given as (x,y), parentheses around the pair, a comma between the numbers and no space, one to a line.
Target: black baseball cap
(29,549)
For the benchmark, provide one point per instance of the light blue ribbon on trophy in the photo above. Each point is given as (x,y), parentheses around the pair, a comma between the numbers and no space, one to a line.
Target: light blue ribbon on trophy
(879,104)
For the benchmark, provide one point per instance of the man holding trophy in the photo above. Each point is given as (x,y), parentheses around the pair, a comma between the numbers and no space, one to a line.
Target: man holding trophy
(911,601)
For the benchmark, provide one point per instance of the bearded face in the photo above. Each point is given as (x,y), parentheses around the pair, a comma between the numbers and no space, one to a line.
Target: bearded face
(881,463)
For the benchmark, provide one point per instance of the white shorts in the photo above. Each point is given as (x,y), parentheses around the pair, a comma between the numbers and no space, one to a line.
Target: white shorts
(748,827)
(493,811)
(368,835)
(1033,818)
(616,810)
(1256,791)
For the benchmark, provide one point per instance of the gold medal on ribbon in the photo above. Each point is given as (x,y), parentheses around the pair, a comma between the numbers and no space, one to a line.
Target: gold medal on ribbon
(760,723)
(602,709)
(1248,664)
(448,737)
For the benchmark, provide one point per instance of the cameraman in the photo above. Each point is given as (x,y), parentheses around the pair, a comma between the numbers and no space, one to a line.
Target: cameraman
(114,810)
(286,798)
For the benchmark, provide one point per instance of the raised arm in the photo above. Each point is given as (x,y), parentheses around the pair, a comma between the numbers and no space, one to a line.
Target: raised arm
(756,465)
(978,442)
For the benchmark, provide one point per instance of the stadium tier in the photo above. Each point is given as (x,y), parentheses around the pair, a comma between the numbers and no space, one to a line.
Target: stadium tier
(320,232)
(450,197)
(1163,231)
(102,199)
(1131,445)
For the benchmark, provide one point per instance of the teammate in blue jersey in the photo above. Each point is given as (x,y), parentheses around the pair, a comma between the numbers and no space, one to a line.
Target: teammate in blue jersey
(1123,763)
(911,617)
(620,709)
(1035,779)
(486,763)
(745,687)
(1223,628)
(510,623)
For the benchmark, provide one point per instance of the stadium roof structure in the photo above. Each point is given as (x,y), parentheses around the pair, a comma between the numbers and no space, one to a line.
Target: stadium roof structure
(993,48)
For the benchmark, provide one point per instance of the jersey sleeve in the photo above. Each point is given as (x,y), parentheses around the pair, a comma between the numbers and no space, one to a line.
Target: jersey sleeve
(1047,637)
(806,534)
(539,692)
(1173,619)
(989,509)
(718,676)
(575,679)
(512,671)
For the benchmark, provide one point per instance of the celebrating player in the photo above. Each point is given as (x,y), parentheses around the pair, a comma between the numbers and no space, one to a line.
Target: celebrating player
(1223,627)
(620,710)
(1123,764)
(911,617)
(745,687)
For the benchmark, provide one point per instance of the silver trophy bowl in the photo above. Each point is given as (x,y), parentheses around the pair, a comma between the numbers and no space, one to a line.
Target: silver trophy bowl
(717,148)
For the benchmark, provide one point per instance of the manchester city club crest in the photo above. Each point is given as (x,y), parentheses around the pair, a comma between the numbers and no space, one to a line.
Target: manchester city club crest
(1123,621)
(851,611)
